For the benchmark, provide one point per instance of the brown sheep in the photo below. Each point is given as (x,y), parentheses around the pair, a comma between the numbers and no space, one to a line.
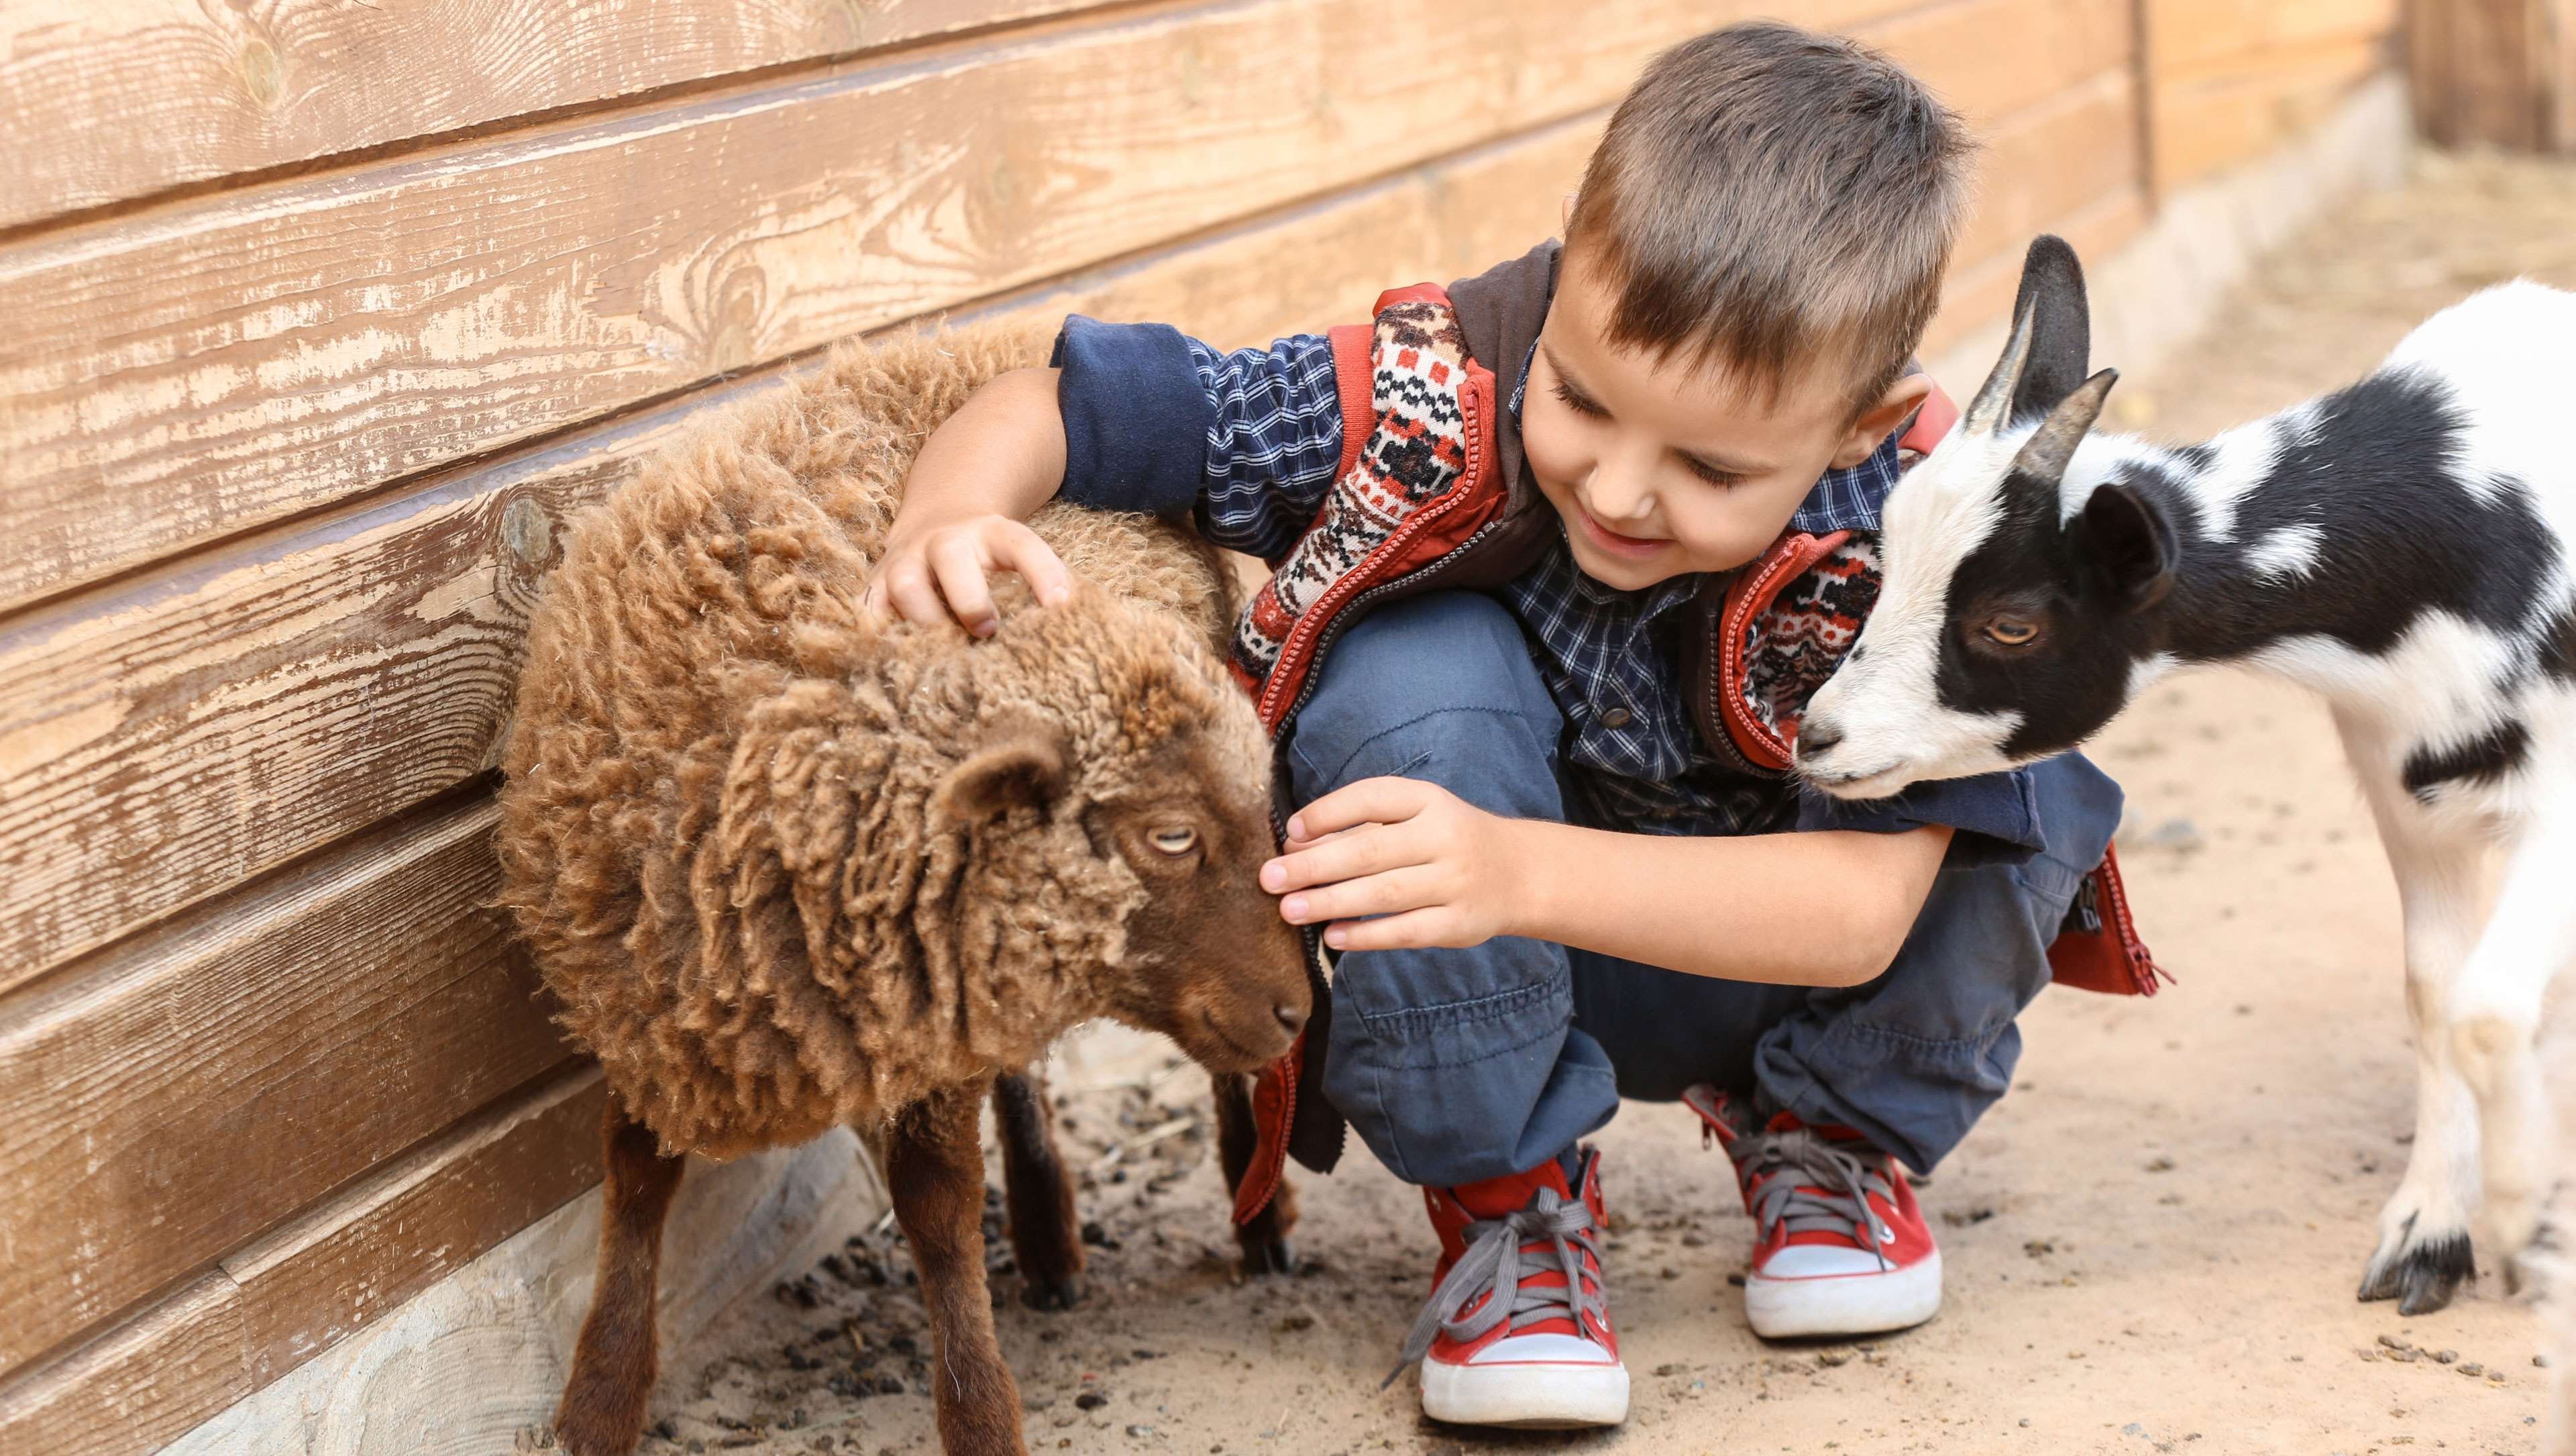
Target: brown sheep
(786,867)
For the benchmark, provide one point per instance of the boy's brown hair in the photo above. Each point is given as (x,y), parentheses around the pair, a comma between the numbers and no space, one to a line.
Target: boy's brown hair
(1767,199)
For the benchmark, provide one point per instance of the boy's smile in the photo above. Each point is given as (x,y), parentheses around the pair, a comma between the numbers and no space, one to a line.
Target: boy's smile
(1661,466)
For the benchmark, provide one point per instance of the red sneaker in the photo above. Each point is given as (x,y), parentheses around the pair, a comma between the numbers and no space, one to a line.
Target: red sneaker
(1518,1329)
(1839,1244)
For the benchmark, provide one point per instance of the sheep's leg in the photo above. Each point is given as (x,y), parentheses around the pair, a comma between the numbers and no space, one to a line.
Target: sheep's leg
(935,1166)
(2423,1252)
(2494,1014)
(1266,1249)
(613,1365)
(1046,1235)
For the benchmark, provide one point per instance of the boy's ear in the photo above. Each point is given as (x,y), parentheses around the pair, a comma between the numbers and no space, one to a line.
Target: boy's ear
(1565,215)
(1881,419)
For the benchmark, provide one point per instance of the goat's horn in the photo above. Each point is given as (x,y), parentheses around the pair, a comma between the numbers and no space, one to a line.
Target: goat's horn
(2045,454)
(1991,410)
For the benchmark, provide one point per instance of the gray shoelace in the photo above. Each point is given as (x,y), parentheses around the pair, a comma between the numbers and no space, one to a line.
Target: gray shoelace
(1493,1264)
(1800,1163)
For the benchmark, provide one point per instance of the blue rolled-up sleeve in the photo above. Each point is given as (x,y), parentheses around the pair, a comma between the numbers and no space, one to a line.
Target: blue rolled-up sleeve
(1136,417)
(1996,816)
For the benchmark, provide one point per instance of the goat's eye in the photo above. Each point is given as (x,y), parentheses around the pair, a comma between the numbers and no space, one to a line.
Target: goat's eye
(1176,841)
(2011,631)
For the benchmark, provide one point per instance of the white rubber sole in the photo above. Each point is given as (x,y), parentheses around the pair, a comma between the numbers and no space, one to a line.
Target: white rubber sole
(1535,1396)
(1845,1304)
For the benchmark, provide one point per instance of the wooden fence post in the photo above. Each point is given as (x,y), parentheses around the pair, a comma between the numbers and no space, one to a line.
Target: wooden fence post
(2494,72)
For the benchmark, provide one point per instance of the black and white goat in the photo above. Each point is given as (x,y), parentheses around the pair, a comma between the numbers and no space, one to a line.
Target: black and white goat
(2400,546)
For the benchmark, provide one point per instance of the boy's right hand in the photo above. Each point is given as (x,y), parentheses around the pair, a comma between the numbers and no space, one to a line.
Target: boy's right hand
(937,571)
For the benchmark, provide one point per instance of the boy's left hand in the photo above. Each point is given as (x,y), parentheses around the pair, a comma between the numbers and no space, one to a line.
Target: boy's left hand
(1434,869)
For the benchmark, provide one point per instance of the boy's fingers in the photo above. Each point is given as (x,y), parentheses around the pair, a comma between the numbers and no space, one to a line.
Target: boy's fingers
(1410,887)
(1369,851)
(1412,930)
(959,566)
(909,592)
(1378,800)
(1024,551)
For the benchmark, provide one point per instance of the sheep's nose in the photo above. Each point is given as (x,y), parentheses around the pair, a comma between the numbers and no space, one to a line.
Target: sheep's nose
(1291,1017)
(1817,739)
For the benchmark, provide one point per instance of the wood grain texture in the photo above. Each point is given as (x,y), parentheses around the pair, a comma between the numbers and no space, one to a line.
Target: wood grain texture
(323,1276)
(1981,293)
(205,368)
(2052,161)
(233,710)
(313,1281)
(1993,58)
(2206,126)
(2232,81)
(173,1364)
(206,1080)
(105,101)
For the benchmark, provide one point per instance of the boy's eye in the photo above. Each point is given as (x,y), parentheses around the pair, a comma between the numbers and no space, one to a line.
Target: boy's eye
(1710,473)
(1577,403)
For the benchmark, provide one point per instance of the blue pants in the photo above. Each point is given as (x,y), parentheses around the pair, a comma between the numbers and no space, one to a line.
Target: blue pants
(1460,1065)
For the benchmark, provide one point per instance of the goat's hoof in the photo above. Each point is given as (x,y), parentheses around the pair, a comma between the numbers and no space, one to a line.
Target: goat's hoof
(1051,1294)
(1269,1254)
(2424,1274)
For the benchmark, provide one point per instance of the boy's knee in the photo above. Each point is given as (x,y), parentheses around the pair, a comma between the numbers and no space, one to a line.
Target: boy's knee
(1438,687)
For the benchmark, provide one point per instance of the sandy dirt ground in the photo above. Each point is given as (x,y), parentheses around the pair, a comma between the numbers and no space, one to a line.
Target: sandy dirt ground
(2151,1245)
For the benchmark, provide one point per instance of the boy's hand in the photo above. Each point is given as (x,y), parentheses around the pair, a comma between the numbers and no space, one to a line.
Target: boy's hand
(943,570)
(1437,870)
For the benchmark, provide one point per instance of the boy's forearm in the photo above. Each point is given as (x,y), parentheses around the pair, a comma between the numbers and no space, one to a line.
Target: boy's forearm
(1001,453)
(1828,908)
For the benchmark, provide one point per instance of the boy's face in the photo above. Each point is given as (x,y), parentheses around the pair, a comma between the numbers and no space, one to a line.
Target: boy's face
(1659,468)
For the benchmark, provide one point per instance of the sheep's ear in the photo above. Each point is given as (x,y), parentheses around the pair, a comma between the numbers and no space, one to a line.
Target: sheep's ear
(2124,544)
(2046,454)
(2051,344)
(1021,763)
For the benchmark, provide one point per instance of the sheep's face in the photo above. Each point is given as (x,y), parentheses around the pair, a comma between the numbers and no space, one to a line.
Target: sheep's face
(2005,630)
(1209,961)
(1154,814)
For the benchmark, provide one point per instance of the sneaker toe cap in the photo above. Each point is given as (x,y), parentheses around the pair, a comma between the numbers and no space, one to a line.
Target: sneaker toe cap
(1819,1261)
(1543,1349)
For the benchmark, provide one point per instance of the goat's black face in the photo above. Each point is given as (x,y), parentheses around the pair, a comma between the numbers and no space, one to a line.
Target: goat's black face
(2046,624)
(2005,630)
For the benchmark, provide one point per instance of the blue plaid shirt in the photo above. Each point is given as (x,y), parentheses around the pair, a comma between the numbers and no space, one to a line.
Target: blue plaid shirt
(1271,423)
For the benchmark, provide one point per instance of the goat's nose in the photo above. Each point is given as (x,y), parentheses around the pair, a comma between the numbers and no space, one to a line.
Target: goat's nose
(1816,739)
(1291,1017)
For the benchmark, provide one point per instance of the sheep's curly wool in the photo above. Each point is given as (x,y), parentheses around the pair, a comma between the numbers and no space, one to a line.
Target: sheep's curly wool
(722,829)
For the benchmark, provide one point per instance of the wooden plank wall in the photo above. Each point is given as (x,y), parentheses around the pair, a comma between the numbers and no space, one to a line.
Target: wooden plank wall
(306,370)
(2231,79)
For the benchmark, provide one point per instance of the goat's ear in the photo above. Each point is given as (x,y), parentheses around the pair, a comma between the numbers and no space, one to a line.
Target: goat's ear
(2051,345)
(2126,546)
(1020,763)
(2046,454)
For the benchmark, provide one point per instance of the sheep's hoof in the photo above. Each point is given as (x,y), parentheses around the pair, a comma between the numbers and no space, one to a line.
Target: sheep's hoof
(2424,1274)
(1052,1294)
(1268,1254)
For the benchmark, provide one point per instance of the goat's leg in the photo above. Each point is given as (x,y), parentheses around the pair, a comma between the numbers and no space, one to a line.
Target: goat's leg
(2423,1252)
(2494,1015)
(613,1365)
(935,1167)
(1046,1234)
(1264,1241)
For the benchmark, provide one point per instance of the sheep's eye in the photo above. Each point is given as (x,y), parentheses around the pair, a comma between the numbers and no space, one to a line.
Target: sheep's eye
(1175,841)
(2011,631)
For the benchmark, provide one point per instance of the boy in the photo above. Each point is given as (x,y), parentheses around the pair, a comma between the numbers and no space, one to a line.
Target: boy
(1543,814)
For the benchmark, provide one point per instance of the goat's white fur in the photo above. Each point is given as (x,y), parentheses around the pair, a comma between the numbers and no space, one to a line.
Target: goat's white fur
(2486,869)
